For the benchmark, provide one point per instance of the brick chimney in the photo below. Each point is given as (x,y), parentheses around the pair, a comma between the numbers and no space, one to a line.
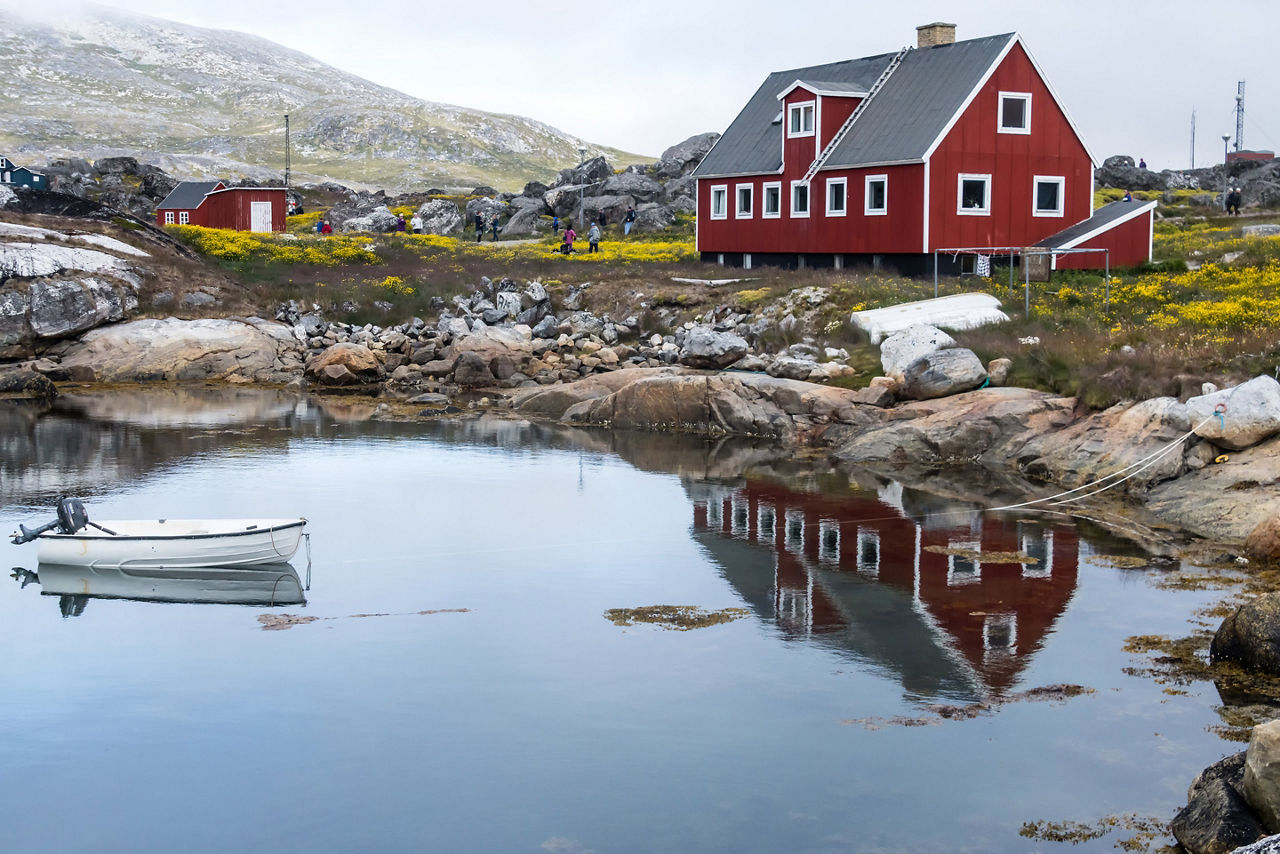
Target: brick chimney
(930,35)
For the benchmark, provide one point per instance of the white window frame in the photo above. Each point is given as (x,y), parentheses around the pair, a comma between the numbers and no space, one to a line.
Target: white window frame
(1025,97)
(808,200)
(168,217)
(764,200)
(799,110)
(866,195)
(721,190)
(843,184)
(739,211)
(184,217)
(1061,181)
(963,211)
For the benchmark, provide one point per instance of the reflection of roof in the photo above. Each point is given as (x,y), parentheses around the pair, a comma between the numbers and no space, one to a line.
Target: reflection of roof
(882,624)
(901,123)
(188,194)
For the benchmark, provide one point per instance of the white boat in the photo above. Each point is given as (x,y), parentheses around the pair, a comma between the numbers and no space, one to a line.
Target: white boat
(72,540)
(251,585)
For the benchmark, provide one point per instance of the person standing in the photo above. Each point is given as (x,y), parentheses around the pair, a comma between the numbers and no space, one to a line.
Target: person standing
(626,222)
(593,239)
(416,223)
(479,226)
(569,236)
(1233,201)
(400,222)
(555,224)
(493,225)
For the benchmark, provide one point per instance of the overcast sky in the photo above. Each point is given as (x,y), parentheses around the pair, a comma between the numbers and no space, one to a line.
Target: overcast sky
(641,77)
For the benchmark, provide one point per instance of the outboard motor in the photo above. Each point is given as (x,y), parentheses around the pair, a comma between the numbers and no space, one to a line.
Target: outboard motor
(71,518)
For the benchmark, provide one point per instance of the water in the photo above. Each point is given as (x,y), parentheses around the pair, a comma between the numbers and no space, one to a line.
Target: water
(512,715)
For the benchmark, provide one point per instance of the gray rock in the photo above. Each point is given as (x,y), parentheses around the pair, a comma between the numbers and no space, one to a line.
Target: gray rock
(899,350)
(998,370)
(440,216)
(1251,636)
(26,384)
(1262,773)
(1252,413)
(654,217)
(683,157)
(472,370)
(548,327)
(638,187)
(791,368)
(1217,819)
(705,348)
(1261,230)
(943,373)
(380,219)
(1270,845)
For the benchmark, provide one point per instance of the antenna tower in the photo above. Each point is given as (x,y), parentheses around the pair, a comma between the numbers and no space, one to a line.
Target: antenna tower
(286,151)
(1240,115)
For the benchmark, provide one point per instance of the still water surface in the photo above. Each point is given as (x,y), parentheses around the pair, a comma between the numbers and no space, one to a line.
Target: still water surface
(516,717)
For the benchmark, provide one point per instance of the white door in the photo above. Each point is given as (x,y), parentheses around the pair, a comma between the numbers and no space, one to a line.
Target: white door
(260,216)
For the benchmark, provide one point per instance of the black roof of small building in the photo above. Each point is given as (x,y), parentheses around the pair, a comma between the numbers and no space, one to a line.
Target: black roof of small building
(1103,218)
(901,123)
(188,195)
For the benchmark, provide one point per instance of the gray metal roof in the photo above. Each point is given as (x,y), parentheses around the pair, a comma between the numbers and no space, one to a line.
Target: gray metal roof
(900,123)
(1103,218)
(188,195)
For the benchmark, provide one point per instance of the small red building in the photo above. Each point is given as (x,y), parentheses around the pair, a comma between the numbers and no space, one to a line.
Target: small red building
(885,159)
(214,205)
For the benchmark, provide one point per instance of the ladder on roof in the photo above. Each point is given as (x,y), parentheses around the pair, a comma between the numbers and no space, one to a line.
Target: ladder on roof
(844,129)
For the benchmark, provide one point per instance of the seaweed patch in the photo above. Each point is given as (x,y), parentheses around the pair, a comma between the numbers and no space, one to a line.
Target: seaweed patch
(680,618)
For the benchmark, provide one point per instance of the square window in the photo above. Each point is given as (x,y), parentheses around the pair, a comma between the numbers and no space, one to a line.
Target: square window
(799,199)
(973,195)
(877,195)
(800,119)
(1015,112)
(745,198)
(1048,191)
(719,202)
(836,196)
(772,201)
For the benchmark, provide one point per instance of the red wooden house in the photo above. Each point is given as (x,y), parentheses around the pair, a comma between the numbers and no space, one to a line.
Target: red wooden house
(213,204)
(886,159)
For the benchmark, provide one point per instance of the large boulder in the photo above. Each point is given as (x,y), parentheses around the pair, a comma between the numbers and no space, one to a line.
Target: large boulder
(683,157)
(943,373)
(1250,412)
(26,384)
(345,364)
(1251,636)
(1120,171)
(638,187)
(472,370)
(1262,773)
(703,347)
(899,350)
(655,217)
(173,349)
(380,219)
(1217,818)
(440,216)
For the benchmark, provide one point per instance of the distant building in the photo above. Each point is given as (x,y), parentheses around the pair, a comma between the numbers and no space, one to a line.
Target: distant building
(213,204)
(891,158)
(21,176)
(1258,156)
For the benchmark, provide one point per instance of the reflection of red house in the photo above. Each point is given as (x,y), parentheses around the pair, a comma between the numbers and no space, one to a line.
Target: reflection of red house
(213,204)
(834,561)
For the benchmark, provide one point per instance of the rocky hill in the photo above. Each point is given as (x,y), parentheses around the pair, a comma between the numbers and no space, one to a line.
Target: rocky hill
(204,103)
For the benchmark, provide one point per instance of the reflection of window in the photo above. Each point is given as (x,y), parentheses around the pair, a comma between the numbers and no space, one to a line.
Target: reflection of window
(869,552)
(962,569)
(719,202)
(1037,543)
(741,513)
(1015,112)
(877,195)
(799,199)
(795,530)
(744,201)
(829,541)
(837,191)
(1000,633)
(1047,195)
(766,523)
(973,195)
(800,122)
(772,201)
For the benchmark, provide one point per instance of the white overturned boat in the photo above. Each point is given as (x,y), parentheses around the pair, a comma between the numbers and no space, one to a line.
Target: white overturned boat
(72,540)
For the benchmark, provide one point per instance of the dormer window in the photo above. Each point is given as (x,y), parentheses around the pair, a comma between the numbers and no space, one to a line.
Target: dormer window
(1015,112)
(800,119)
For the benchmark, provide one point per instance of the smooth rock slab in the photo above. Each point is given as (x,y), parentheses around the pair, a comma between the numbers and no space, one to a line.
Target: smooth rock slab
(1252,413)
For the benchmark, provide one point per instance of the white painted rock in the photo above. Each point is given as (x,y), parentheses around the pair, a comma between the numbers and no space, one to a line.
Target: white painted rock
(1252,413)
(901,349)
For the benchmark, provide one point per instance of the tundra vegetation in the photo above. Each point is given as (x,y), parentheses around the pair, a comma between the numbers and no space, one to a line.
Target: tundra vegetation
(1203,310)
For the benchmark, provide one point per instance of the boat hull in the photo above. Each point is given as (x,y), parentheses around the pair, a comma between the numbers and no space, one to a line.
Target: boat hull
(275,585)
(175,544)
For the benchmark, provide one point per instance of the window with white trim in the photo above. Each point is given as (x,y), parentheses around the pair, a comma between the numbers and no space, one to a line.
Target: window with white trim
(184,217)
(800,119)
(1015,112)
(876,195)
(168,217)
(1047,195)
(745,195)
(837,196)
(772,204)
(799,199)
(720,201)
(973,195)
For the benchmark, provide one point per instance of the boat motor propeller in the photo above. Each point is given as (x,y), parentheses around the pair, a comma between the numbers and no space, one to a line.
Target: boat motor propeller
(71,518)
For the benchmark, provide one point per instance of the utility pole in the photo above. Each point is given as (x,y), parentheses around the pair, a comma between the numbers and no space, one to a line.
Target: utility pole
(1240,116)
(1225,172)
(1193,138)
(287,157)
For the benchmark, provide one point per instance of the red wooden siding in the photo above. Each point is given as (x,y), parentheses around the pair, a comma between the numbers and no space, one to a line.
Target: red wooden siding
(833,111)
(1129,242)
(231,208)
(973,146)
